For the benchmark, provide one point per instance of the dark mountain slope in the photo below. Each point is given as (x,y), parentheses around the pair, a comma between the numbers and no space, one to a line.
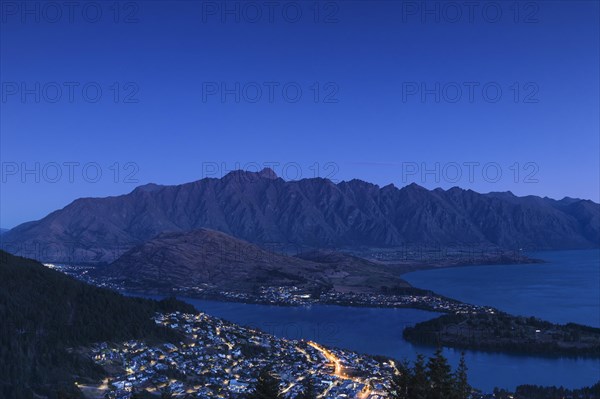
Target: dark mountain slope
(44,313)
(213,260)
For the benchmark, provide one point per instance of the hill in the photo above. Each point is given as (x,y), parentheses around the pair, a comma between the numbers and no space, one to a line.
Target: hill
(47,315)
(214,260)
(306,214)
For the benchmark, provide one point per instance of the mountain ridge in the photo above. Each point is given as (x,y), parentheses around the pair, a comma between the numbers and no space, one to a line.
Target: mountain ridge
(310,213)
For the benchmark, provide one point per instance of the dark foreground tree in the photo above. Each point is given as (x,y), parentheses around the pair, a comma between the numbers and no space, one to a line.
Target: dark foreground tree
(267,386)
(166,394)
(400,384)
(420,384)
(309,391)
(433,380)
(440,376)
(462,388)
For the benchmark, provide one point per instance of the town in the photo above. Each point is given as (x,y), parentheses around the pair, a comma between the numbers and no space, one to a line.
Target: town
(221,359)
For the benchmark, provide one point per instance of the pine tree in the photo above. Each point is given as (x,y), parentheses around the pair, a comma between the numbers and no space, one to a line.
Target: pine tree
(166,394)
(419,385)
(461,385)
(401,382)
(267,386)
(440,376)
(309,391)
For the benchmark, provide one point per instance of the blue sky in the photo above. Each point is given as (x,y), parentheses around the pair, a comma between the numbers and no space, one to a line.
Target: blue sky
(97,100)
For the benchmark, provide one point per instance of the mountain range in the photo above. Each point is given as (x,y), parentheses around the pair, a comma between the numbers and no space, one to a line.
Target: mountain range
(263,209)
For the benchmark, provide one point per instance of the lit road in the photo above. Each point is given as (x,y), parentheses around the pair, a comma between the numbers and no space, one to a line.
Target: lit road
(339,371)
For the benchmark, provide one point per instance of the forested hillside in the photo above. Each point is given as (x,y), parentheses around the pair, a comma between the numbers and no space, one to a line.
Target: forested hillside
(45,314)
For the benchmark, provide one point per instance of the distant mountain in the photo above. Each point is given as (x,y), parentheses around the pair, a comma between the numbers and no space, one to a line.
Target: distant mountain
(309,213)
(45,314)
(211,259)
(2,231)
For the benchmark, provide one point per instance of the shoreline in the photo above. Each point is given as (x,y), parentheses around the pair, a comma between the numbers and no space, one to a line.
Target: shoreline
(426,267)
(145,294)
(482,349)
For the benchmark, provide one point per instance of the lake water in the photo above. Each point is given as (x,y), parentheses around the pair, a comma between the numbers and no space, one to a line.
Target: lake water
(564,289)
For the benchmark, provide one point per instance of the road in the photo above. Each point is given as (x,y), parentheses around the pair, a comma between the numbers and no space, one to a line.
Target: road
(339,371)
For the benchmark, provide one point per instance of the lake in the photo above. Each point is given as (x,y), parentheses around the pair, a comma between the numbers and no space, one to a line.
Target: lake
(564,289)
